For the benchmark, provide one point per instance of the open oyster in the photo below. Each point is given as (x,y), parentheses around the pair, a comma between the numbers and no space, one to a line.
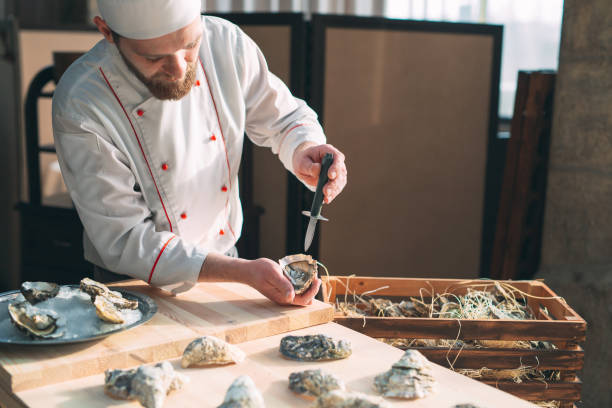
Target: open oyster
(345,399)
(242,394)
(36,292)
(147,384)
(93,289)
(314,348)
(301,271)
(408,378)
(107,311)
(34,321)
(209,350)
(313,383)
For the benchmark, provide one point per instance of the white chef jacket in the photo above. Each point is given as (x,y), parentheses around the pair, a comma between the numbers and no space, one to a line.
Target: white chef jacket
(155,182)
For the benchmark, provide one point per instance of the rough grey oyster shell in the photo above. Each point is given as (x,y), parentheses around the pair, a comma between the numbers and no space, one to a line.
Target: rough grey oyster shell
(209,350)
(300,269)
(314,348)
(35,292)
(93,289)
(346,399)
(107,311)
(36,322)
(242,394)
(313,383)
(408,378)
(147,384)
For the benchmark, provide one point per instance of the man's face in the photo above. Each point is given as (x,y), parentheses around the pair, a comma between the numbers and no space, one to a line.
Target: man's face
(167,64)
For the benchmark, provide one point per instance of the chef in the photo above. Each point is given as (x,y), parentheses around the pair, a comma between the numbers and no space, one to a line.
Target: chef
(149,128)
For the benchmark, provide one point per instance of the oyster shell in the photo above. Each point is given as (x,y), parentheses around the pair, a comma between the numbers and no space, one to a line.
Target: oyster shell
(314,348)
(408,378)
(313,383)
(147,384)
(36,292)
(93,289)
(107,311)
(242,394)
(300,269)
(209,350)
(34,321)
(346,399)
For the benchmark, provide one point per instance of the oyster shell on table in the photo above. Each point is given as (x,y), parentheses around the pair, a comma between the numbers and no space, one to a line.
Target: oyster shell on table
(147,384)
(316,347)
(300,269)
(242,394)
(36,322)
(35,292)
(313,383)
(93,289)
(346,399)
(408,378)
(210,350)
(107,311)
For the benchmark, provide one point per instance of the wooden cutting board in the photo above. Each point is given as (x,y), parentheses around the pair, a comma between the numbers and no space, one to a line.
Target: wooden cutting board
(231,311)
(270,371)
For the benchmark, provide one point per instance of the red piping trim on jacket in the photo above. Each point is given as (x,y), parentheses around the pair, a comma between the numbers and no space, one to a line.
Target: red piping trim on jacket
(158,256)
(141,149)
(229,173)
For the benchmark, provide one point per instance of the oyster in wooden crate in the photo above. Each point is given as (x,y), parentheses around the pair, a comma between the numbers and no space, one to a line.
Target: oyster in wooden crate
(316,347)
(408,378)
(242,394)
(37,323)
(210,350)
(35,292)
(313,383)
(147,384)
(346,399)
(300,269)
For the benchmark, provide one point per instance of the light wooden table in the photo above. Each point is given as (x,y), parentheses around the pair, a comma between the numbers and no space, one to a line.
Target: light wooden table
(270,371)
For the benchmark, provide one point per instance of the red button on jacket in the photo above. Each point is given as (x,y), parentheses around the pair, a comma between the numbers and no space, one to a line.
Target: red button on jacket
(221,232)
(164,167)
(140,112)
(184,215)
(224,189)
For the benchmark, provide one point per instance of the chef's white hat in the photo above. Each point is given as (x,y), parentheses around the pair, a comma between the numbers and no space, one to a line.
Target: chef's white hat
(145,19)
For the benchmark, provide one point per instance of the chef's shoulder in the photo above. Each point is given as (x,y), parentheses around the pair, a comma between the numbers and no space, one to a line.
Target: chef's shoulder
(224,36)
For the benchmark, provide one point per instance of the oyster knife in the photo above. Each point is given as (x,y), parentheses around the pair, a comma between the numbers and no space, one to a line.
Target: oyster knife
(317,202)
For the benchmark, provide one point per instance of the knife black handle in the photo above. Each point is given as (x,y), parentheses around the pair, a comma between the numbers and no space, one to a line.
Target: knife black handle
(317,203)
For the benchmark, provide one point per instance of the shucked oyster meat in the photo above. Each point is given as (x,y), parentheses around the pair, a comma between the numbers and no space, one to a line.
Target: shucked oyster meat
(300,269)
(314,348)
(93,289)
(34,321)
(209,350)
(345,399)
(107,311)
(147,384)
(408,378)
(313,383)
(36,292)
(242,394)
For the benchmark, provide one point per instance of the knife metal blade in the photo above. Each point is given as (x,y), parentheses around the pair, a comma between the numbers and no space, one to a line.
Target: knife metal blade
(317,202)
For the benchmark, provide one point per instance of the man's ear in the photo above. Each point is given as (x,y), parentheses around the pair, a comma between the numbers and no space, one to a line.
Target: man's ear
(103,28)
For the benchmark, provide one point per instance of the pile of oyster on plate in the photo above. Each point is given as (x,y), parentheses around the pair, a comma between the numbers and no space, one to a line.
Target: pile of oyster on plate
(300,269)
(108,303)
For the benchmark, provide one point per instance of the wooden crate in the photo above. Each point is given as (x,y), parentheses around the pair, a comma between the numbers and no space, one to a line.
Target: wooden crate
(561,326)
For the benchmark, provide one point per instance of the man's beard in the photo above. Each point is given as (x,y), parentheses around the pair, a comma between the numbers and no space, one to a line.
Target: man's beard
(162,89)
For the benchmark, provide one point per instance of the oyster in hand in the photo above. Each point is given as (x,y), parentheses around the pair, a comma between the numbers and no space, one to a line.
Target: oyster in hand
(147,384)
(36,292)
(242,394)
(345,399)
(93,289)
(209,350)
(107,311)
(316,347)
(408,378)
(313,383)
(33,321)
(301,271)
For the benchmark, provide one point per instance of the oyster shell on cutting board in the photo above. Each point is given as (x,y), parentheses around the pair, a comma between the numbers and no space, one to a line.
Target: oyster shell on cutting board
(316,347)
(409,378)
(35,322)
(107,311)
(93,289)
(313,383)
(346,399)
(147,384)
(35,292)
(210,350)
(300,269)
(242,394)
